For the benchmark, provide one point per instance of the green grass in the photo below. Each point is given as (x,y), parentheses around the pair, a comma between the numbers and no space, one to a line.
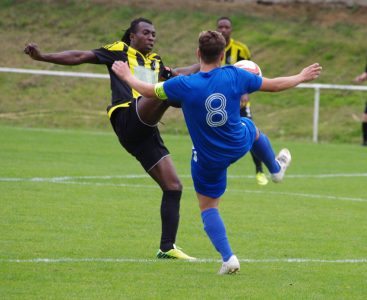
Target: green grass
(68,194)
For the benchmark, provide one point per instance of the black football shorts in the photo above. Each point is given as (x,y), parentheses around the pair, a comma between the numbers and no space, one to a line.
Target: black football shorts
(142,141)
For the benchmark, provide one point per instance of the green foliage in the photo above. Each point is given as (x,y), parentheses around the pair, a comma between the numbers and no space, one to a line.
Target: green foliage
(282,43)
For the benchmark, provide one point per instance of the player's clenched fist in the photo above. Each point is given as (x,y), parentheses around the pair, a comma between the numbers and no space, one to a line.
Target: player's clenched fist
(33,51)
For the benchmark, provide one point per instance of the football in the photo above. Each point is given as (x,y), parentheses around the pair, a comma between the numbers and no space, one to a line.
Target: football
(249,66)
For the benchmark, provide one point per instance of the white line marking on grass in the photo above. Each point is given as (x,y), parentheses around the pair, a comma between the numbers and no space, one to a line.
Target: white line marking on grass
(65,178)
(314,196)
(202,260)
(327,175)
(75,181)
(133,176)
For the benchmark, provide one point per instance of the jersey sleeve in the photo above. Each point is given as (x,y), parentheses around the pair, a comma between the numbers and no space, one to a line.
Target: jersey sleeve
(249,82)
(173,89)
(110,53)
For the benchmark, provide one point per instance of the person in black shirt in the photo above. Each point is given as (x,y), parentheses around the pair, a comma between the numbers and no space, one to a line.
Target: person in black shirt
(134,118)
(360,78)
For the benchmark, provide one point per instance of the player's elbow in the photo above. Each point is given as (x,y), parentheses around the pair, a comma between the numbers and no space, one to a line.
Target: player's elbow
(276,88)
(81,57)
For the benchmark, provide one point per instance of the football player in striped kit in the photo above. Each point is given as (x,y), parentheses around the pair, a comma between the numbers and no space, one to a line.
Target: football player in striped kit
(134,118)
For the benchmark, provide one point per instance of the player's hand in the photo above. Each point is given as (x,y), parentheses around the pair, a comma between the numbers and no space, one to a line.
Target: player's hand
(244,100)
(361,78)
(311,72)
(33,51)
(166,74)
(121,69)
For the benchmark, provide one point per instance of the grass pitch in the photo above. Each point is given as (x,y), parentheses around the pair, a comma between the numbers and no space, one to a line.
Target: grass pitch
(80,220)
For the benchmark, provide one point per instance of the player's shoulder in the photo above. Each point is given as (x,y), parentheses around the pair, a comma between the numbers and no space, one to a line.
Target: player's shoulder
(230,72)
(237,72)
(231,68)
(154,56)
(116,46)
(239,44)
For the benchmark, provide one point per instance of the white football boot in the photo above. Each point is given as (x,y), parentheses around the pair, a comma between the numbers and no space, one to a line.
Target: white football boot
(284,159)
(230,267)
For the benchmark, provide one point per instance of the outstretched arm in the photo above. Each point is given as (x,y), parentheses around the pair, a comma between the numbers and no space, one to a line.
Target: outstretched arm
(122,70)
(283,83)
(187,70)
(70,57)
(167,73)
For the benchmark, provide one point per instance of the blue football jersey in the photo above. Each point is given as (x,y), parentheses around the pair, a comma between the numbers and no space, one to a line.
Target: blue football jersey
(211,105)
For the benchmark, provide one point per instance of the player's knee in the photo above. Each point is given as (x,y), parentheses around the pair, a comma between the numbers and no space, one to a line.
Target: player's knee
(173,184)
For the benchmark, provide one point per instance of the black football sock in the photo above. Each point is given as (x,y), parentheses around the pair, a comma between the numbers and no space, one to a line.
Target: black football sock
(258,164)
(170,216)
(243,112)
(364,130)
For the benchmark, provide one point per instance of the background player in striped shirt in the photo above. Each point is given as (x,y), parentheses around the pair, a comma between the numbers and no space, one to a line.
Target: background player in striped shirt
(234,52)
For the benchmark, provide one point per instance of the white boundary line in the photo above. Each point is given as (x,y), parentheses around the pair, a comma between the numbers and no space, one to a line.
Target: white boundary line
(74,180)
(134,176)
(202,260)
(68,180)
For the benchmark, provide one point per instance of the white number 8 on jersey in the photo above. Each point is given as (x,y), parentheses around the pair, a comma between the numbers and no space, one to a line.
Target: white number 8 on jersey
(218,111)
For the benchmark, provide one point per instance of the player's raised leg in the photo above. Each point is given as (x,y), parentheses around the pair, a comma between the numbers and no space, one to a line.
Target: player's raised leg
(276,165)
(150,111)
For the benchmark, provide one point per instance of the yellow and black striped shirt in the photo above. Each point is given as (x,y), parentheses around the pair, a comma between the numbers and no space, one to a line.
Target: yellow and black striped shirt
(234,52)
(146,67)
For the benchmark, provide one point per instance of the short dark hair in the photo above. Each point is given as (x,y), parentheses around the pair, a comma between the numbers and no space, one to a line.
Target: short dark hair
(133,29)
(224,18)
(211,45)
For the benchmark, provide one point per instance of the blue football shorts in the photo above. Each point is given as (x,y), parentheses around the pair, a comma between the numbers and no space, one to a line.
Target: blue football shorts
(211,179)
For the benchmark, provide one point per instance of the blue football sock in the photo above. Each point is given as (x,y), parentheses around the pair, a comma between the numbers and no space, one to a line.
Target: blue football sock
(262,150)
(216,231)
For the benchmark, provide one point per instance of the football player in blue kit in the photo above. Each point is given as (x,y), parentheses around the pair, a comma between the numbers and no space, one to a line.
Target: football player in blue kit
(210,102)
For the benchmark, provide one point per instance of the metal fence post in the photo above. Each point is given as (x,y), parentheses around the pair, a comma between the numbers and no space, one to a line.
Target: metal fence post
(316,115)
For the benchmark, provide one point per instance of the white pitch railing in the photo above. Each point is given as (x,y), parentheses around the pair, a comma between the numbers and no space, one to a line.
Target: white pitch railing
(316,86)
(54,73)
